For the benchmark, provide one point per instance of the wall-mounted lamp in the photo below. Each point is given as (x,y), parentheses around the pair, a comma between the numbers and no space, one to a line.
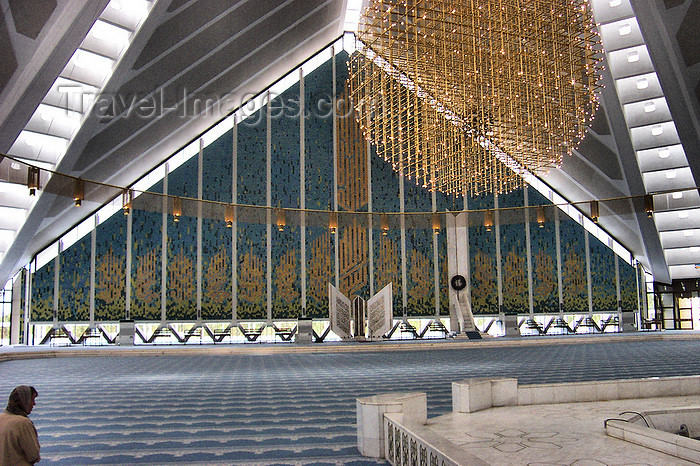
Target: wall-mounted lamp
(488,219)
(78,191)
(436,223)
(33,179)
(595,211)
(228,215)
(281,219)
(177,209)
(540,216)
(127,199)
(649,204)
(384,224)
(333,221)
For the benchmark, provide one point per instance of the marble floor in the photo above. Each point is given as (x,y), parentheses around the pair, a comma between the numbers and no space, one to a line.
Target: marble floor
(556,434)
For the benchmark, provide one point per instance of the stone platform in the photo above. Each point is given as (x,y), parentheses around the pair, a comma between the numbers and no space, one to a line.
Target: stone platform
(494,421)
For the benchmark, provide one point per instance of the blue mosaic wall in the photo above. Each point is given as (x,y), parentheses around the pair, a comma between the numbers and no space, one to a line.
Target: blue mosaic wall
(420,283)
(482,258)
(285,189)
(110,269)
(513,253)
(318,142)
(147,264)
(628,286)
(217,178)
(353,245)
(543,247)
(319,271)
(573,257)
(181,294)
(42,293)
(387,248)
(252,238)
(603,287)
(74,282)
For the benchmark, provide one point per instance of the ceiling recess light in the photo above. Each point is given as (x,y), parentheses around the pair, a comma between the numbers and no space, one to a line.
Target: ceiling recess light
(31,141)
(625,29)
(46,116)
(15,166)
(649,107)
(657,130)
(633,57)
(642,83)
(670,175)
(677,195)
(695,249)
(688,233)
(88,60)
(81,59)
(111,33)
(664,153)
(100,32)
(683,214)
(615,3)
(116,4)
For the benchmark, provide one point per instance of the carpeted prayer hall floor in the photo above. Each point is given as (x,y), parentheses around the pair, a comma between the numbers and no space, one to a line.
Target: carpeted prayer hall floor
(287,407)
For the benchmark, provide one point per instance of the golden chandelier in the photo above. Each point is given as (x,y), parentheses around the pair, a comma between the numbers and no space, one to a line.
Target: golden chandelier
(465,96)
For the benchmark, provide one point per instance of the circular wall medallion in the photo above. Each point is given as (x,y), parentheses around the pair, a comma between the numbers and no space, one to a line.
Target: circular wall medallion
(458,282)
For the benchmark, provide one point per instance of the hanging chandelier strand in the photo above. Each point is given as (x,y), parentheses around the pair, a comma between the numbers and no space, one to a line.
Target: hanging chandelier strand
(465,96)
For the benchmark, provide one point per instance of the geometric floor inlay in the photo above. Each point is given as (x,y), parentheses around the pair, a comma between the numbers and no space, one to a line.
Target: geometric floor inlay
(514,440)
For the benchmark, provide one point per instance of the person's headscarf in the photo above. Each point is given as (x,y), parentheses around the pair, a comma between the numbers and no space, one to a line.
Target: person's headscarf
(20,401)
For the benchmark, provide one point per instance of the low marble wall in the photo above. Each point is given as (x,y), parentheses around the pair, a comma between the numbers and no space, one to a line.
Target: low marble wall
(392,426)
(670,420)
(608,390)
(665,442)
(473,395)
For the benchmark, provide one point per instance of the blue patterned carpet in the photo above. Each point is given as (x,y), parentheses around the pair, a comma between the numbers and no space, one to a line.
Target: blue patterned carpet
(283,408)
